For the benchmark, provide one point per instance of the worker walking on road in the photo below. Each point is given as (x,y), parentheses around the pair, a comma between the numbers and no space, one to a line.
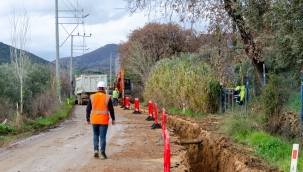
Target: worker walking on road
(115,96)
(98,106)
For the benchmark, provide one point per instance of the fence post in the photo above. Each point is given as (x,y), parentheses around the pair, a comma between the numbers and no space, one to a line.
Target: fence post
(294,158)
(301,103)
(264,74)
(17,110)
(247,94)
(221,97)
(225,99)
(233,99)
(183,108)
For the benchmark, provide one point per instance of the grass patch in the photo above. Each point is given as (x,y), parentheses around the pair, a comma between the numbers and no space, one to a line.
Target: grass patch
(274,150)
(44,121)
(144,104)
(58,115)
(29,126)
(6,129)
(186,113)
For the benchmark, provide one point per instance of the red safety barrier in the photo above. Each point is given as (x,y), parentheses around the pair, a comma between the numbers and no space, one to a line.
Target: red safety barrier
(127,103)
(156,113)
(156,124)
(137,106)
(123,102)
(166,152)
(163,121)
(150,111)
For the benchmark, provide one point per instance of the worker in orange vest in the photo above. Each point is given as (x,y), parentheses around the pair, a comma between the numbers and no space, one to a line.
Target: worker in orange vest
(98,106)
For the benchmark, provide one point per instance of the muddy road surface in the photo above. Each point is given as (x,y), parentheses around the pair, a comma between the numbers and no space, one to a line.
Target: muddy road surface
(69,147)
(132,146)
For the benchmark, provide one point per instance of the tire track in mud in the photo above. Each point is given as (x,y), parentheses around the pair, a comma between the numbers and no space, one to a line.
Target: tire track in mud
(69,147)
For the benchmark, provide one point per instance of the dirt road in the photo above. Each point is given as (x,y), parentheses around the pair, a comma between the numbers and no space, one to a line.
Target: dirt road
(130,147)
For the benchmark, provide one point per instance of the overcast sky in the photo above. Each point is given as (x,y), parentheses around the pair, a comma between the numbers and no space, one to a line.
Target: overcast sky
(108,23)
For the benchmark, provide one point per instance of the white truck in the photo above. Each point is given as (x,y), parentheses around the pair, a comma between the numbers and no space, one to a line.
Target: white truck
(87,85)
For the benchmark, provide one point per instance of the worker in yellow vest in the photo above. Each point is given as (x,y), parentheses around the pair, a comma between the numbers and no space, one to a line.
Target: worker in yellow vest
(116,96)
(97,113)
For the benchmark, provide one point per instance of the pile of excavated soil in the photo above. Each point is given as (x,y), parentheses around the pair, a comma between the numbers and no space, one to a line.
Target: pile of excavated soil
(208,150)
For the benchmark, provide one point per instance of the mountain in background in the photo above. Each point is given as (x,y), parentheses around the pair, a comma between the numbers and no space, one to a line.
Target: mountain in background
(99,58)
(5,55)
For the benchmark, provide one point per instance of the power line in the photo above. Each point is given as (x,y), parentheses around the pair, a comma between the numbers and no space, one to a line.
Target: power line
(78,15)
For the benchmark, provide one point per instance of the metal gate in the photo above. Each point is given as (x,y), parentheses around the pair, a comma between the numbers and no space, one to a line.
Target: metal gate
(230,104)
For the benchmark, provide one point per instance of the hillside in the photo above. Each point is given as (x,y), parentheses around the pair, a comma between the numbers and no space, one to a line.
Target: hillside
(5,55)
(98,59)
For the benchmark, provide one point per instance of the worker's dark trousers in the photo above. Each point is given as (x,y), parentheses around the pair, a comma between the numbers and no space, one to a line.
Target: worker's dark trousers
(115,101)
(100,132)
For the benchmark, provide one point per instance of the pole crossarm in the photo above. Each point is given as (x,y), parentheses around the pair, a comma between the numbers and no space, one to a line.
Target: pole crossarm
(72,23)
(79,16)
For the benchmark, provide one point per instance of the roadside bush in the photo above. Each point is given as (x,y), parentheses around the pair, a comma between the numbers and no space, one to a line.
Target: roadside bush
(6,129)
(214,96)
(274,95)
(179,80)
(43,104)
(65,83)
(6,110)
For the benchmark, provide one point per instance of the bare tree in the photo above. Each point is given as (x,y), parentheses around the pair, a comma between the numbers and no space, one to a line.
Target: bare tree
(139,62)
(20,41)
(153,42)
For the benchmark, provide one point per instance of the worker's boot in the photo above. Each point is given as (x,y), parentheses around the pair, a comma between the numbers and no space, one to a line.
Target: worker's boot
(103,156)
(96,154)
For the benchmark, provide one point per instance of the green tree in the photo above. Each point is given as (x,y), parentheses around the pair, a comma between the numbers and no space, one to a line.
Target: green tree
(268,31)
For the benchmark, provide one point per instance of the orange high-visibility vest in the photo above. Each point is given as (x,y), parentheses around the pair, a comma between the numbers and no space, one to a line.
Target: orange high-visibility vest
(99,113)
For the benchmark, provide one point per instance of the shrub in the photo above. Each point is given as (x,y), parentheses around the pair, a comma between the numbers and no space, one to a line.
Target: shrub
(6,129)
(43,104)
(6,109)
(274,95)
(179,80)
(214,95)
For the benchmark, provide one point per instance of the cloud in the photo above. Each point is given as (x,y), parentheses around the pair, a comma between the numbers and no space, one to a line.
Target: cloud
(108,22)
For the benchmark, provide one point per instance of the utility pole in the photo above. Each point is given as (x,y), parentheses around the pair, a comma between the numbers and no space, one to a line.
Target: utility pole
(71,68)
(75,12)
(57,54)
(110,70)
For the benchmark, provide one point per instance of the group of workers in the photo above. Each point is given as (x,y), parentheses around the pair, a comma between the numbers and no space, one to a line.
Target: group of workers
(98,108)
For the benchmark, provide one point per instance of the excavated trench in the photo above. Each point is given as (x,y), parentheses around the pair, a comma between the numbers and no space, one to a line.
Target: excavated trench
(210,151)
